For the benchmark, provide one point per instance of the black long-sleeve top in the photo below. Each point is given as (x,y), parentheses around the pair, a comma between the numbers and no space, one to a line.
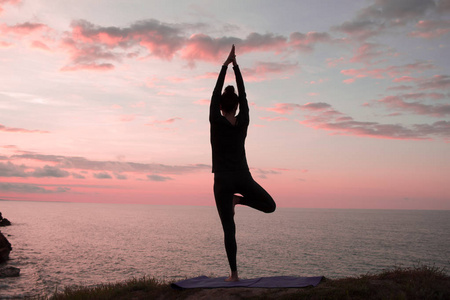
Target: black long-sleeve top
(227,140)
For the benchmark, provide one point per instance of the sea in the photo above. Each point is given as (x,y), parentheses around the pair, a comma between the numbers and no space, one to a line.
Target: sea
(58,244)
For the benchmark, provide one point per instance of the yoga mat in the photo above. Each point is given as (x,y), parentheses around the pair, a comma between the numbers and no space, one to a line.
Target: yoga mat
(261,282)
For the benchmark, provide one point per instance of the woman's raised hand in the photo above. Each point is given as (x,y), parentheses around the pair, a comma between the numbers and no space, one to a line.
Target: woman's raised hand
(231,57)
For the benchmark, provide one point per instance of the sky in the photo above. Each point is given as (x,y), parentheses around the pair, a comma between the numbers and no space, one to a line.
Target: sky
(107,101)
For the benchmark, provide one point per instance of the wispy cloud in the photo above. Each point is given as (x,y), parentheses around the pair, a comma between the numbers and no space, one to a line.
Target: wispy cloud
(20,130)
(81,163)
(30,188)
(155,177)
(398,103)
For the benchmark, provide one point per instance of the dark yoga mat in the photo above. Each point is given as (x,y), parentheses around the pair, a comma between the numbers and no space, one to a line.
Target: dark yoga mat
(262,282)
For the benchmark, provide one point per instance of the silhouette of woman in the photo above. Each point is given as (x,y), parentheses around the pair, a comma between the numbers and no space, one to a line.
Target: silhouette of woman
(229,162)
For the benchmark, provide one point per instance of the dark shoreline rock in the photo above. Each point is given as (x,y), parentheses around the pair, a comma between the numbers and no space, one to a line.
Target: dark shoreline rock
(9,272)
(5,248)
(4,221)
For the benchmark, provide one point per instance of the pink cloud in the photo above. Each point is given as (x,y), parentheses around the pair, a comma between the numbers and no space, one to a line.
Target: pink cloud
(338,123)
(404,79)
(360,29)
(391,71)
(163,122)
(89,67)
(161,40)
(81,163)
(20,130)
(203,102)
(436,82)
(261,69)
(435,96)
(5,44)
(23,28)
(383,15)
(284,108)
(306,42)
(11,2)
(333,62)
(40,45)
(139,104)
(127,118)
(204,47)
(88,43)
(396,102)
(431,29)
(274,119)
(367,52)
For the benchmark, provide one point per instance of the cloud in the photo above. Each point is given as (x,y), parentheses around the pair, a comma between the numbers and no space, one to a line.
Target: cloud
(306,42)
(93,47)
(4,44)
(262,173)
(102,175)
(81,163)
(40,45)
(391,71)
(384,15)
(49,171)
(367,52)
(23,28)
(262,69)
(396,102)
(274,119)
(429,29)
(120,176)
(164,122)
(203,102)
(436,82)
(158,178)
(20,130)
(288,108)
(78,176)
(29,188)
(12,170)
(340,124)
(284,108)
(11,2)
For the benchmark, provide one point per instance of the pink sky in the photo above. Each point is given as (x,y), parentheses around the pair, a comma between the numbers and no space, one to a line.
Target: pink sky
(107,101)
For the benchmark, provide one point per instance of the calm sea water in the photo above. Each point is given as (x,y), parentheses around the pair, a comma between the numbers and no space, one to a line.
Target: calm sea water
(61,244)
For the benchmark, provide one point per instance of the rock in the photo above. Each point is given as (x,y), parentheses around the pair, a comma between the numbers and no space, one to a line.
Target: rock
(5,222)
(5,248)
(9,272)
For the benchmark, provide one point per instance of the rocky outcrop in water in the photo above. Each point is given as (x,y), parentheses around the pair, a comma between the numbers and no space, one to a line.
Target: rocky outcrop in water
(5,248)
(9,272)
(4,221)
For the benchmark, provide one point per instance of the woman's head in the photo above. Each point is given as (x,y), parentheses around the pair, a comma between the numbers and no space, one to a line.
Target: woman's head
(229,100)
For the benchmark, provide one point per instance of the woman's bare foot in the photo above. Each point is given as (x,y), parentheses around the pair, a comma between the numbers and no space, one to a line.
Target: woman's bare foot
(233,277)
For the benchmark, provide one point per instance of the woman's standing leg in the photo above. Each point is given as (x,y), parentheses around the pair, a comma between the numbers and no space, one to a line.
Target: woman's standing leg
(223,193)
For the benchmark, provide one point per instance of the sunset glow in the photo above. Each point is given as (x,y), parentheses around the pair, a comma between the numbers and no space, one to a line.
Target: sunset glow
(107,101)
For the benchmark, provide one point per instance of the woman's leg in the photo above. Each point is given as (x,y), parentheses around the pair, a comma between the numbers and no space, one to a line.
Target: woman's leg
(254,195)
(223,193)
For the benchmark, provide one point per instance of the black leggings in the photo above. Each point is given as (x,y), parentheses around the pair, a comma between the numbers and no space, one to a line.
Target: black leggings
(226,184)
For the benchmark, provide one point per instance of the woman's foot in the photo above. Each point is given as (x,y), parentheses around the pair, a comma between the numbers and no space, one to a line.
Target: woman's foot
(233,277)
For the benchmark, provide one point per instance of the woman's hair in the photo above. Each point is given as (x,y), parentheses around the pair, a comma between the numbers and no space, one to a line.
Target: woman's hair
(229,99)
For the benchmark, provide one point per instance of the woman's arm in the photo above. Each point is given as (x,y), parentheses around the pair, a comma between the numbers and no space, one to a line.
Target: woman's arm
(243,103)
(214,108)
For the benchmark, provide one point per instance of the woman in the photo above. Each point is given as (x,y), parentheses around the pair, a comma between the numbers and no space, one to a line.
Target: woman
(229,162)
